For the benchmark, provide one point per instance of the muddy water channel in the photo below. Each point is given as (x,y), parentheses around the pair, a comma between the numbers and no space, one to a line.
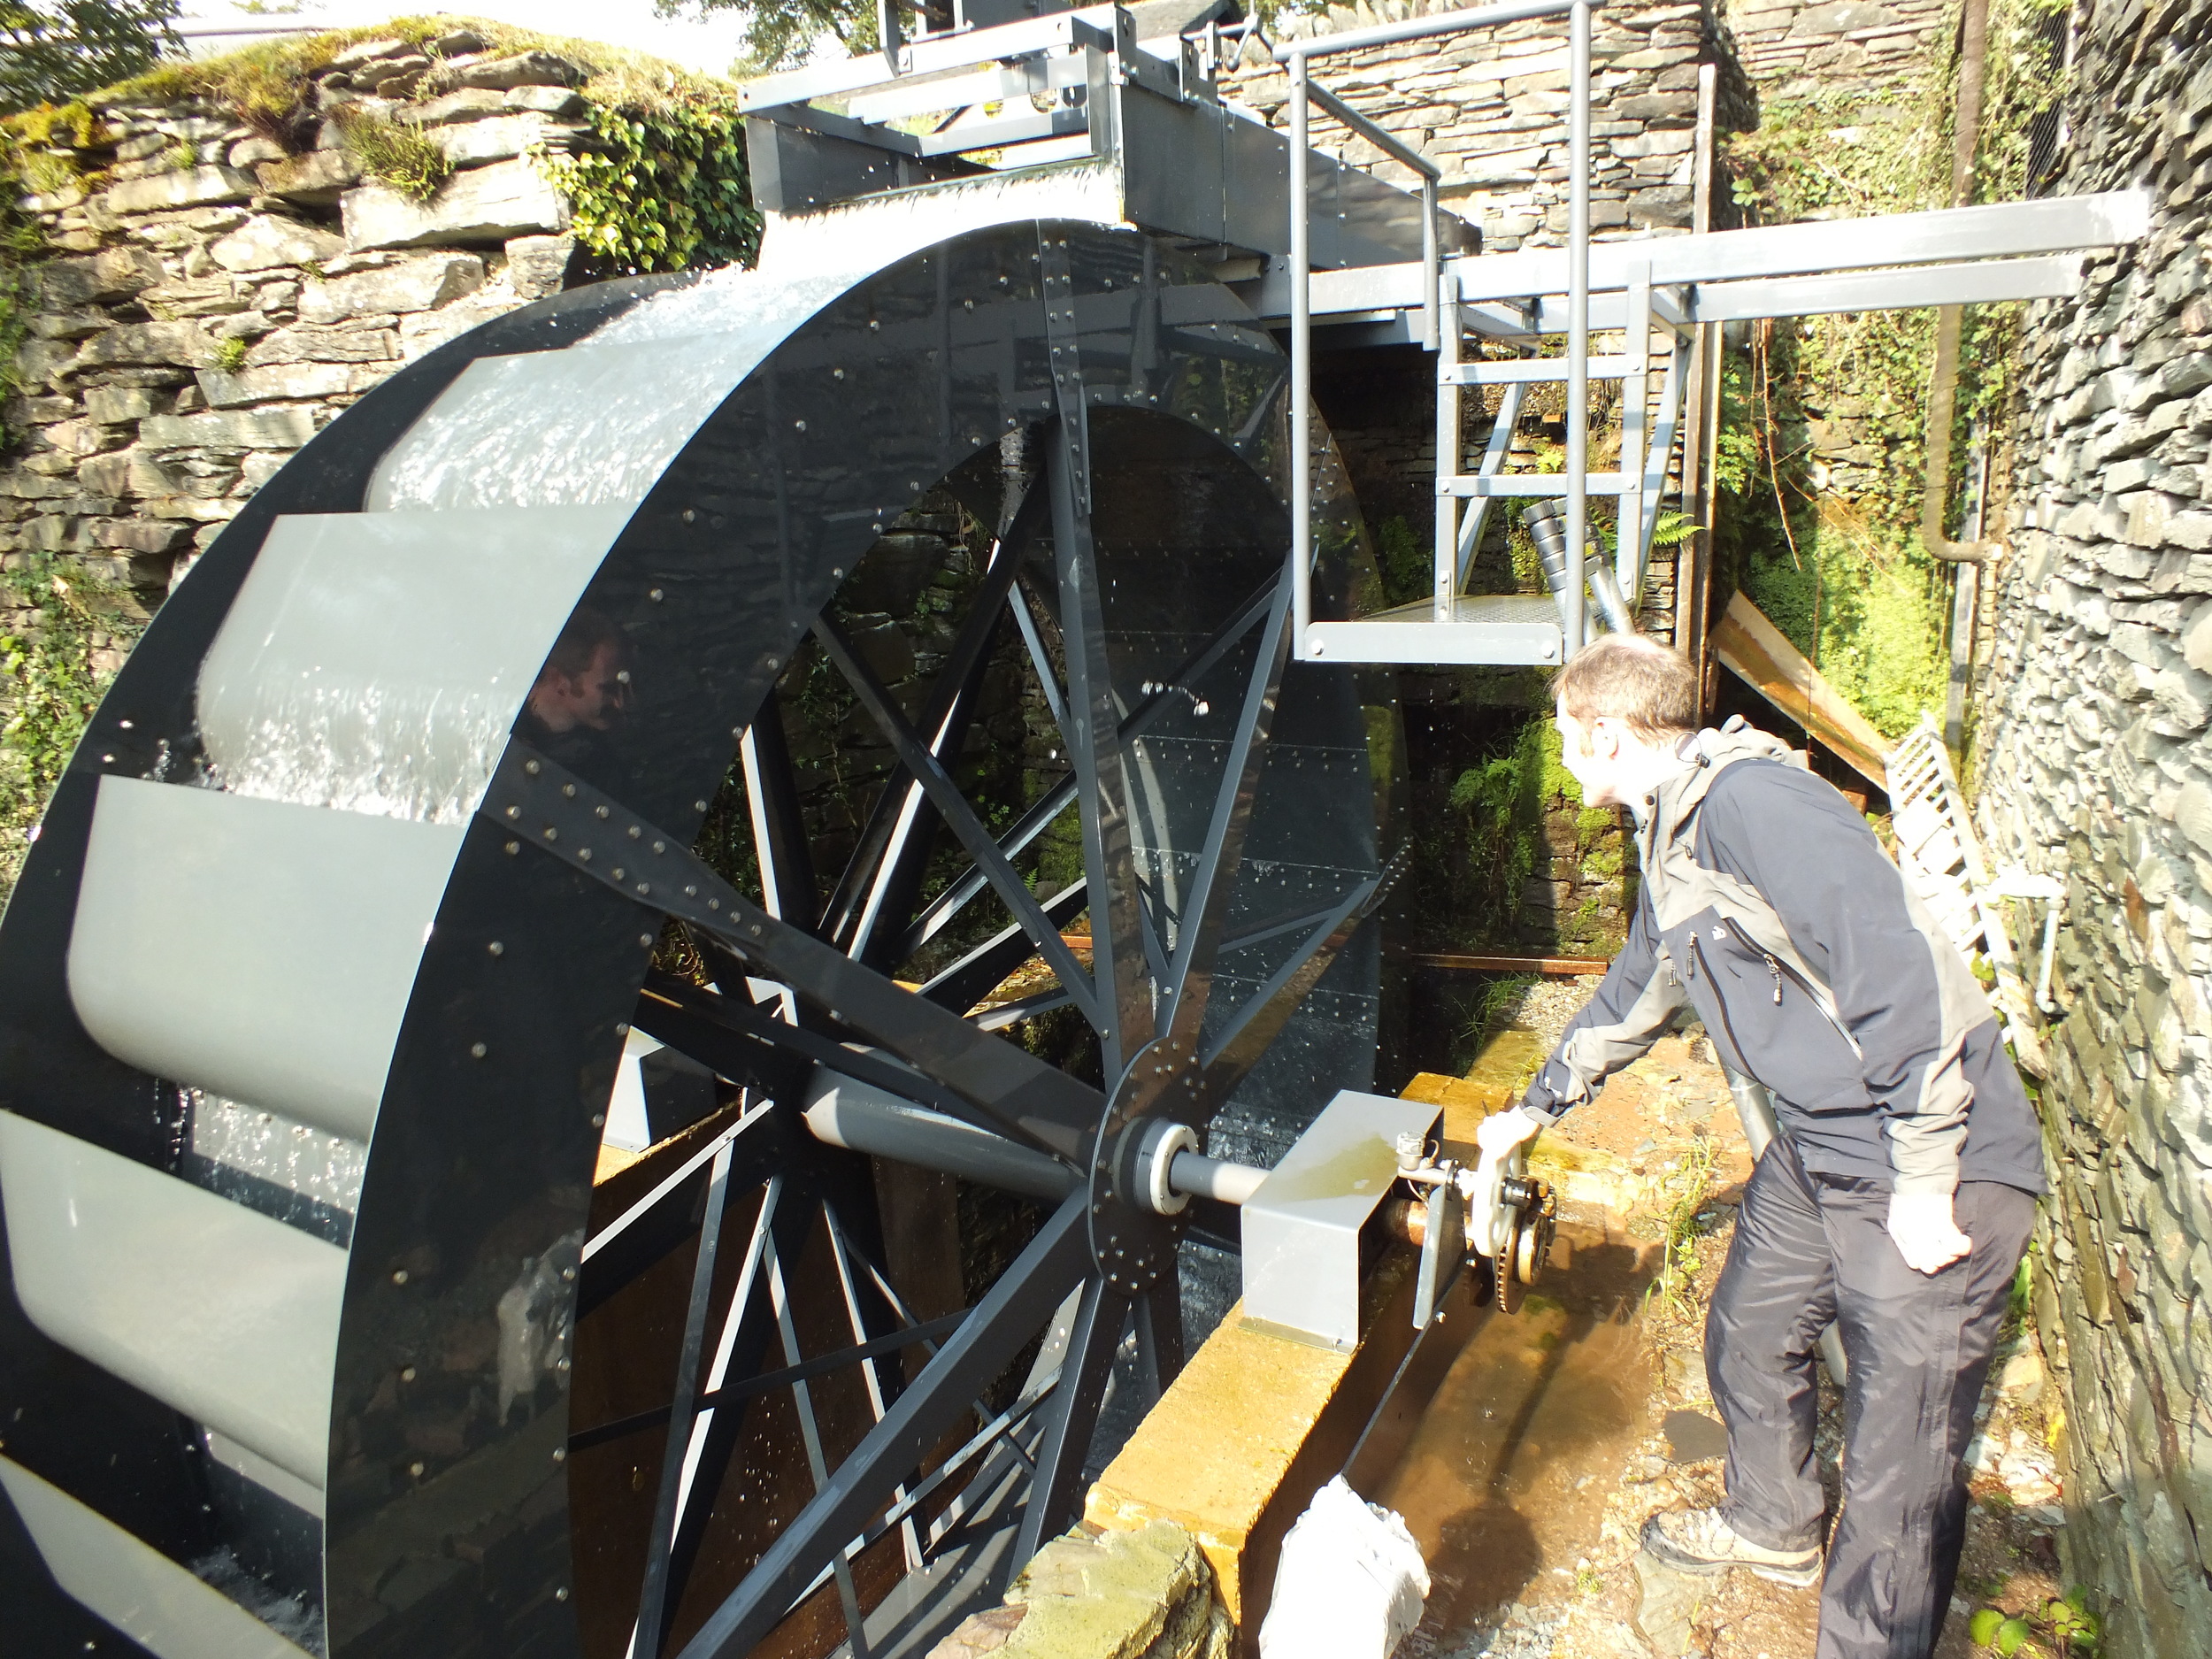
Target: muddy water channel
(1503,1483)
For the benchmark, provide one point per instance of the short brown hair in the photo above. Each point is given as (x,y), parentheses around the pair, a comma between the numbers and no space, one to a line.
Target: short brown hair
(587,633)
(1627,677)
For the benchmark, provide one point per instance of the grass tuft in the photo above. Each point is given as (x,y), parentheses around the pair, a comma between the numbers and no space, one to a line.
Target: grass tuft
(405,158)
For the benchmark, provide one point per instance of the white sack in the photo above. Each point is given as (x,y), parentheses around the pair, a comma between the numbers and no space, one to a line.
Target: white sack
(1350,1583)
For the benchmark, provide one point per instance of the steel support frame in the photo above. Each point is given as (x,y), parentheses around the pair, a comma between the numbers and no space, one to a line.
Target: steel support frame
(1296,56)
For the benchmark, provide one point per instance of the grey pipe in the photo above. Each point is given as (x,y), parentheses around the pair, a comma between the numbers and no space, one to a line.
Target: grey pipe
(1755,1107)
(865,1118)
(862,1118)
(1943,379)
(1549,533)
(1574,623)
(1202,1177)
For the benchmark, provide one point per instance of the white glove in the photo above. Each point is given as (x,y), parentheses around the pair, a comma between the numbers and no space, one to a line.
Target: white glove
(1926,1235)
(1500,1132)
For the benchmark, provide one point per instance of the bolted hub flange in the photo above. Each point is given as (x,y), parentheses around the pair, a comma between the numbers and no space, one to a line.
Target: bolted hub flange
(1132,1242)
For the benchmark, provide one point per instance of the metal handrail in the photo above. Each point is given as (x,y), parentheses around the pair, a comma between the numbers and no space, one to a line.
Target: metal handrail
(1398,150)
(1303,94)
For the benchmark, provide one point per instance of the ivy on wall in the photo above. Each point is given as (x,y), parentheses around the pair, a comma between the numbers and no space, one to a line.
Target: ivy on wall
(1822,454)
(665,188)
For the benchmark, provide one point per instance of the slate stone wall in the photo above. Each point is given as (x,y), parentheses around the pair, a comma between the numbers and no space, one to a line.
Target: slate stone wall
(1490,105)
(2095,766)
(216,301)
(1798,49)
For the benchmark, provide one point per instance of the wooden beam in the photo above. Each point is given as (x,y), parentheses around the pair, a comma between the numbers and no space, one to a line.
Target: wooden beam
(1461,962)
(1757,652)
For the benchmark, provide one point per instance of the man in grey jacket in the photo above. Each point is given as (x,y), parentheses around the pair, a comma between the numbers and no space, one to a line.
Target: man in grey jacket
(1897,1198)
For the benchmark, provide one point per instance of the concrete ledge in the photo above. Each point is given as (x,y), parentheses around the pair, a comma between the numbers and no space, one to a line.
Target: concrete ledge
(1256,1424)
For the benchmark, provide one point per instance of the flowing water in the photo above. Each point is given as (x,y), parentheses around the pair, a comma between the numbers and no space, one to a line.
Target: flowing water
(1504,1479)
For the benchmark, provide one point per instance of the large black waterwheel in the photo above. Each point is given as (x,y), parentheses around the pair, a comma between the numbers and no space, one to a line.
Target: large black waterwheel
(315,1335)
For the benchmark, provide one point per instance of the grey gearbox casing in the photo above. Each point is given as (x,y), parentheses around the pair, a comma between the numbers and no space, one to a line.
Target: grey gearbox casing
(1302,1228)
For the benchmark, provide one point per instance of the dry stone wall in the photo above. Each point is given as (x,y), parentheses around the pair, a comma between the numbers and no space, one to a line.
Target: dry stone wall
(2096,767)
(216,300)
(1489,106)
(1803,49)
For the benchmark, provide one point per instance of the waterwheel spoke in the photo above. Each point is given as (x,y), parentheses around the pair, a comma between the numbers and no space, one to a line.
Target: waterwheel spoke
(772,795)
(810,1438)
(1040,660)
(1206,905)
(739,1352)
(653,1600)
(1002,1324)
(1058,799)
(967,981)
(1159,1315)
(720,1032)
(876,894)
(1054,1488)
(871,1376)
(1124,992)
(959,817)
(534,797)
(865,1353)
(662,1219)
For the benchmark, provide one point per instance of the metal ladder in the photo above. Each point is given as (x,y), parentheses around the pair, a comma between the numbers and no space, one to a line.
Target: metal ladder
(1658,291)
(1483,625)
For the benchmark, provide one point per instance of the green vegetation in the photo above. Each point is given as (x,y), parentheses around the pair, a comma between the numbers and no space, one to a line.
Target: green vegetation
(1501,802)
(1837,563)
(665,188)
(1494,1009)
(1689,1183)
(50,53)
(270,86)
(54,619)
(2061,1626)
(230,355)
(403,158)
(660,184)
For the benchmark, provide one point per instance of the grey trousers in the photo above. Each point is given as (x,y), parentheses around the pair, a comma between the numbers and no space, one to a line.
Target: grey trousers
(1809,1249)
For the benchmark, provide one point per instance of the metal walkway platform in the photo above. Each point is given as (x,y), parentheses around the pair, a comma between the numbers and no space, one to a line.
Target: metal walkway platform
(1367,264)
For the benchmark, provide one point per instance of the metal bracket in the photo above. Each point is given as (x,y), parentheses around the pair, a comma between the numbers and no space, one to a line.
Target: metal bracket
(1302,1228)
(1062,336)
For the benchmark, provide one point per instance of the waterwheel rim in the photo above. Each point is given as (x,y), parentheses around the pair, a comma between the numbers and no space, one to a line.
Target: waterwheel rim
(507,1014)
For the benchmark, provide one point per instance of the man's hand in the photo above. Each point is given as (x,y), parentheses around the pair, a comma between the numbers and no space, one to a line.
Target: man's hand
(1926,1236)
(1500,1132)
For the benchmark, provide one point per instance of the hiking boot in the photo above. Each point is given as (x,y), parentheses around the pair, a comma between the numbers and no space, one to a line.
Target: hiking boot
(1698,1541)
